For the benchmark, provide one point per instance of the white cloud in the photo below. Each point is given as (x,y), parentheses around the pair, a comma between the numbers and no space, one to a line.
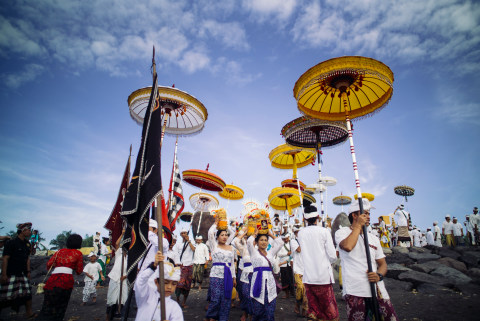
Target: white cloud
(29,73)
(454,109)
(265,9)
(231,34)
(193,61)
(234,72)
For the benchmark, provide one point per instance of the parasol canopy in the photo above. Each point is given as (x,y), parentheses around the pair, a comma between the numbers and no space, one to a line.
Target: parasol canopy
(309,132)
(203,179)
(284,199)
(404,190)
(203,201)
(342,200)
(293,183)
(231,192)
(317,188)
(366,83)
(186,216)
(308,199)
(186,114)
(290,157)
(368,196)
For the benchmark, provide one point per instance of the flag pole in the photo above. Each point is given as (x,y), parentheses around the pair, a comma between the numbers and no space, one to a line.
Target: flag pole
(158,213)
(123,256)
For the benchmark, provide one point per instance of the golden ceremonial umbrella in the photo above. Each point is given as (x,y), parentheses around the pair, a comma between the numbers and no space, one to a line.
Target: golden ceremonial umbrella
(284,199)
(341,89)
(342,200)
(231,192)
(404,190)
(368,196)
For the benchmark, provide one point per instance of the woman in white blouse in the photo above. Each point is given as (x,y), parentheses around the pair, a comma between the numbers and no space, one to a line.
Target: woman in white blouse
(263,286)
(222,277)
(240,243)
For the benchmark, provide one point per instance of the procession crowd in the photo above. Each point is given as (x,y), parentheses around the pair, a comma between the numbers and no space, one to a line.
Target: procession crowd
(294,258)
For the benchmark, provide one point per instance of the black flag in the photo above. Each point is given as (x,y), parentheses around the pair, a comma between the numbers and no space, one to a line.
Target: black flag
(144,187)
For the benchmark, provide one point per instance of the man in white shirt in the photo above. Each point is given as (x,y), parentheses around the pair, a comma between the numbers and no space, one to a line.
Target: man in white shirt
(186,250)
(470,228)
(356,278)
(447,231)
(475,218)
(402,219)
(318,252)
(457,232)
(417,236)
(301,305)
(437,235)
(200,257)
(430,238)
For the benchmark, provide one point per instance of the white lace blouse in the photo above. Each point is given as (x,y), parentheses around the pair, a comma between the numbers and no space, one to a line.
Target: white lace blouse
(241,245)
(258,260)
(221,256)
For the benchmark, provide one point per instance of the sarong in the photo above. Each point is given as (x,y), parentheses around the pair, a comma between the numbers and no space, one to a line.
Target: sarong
(286,277)
(89,290)
(198,270)
(300,295)
(321,302)
(246,300)
(185,282)
(403,235)
(16,292)
(55,303)
(266,311)
(450,241)
(356,310)
(219,306)
(113,293)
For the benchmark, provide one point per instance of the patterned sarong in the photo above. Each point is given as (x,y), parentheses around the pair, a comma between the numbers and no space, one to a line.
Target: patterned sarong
(356,310)
(198,270)
(89,290)
(321,302)
(300,295)
(185,283)
(403,235)
(219,306)
(246,300)
(266,311)
(15,292)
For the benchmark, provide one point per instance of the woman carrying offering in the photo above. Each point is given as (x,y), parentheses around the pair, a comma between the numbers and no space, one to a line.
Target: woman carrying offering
(240,243)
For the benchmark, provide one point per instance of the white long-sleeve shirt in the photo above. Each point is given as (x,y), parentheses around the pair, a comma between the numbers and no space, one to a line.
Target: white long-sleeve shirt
(201,255)
(148,300)
(318,252)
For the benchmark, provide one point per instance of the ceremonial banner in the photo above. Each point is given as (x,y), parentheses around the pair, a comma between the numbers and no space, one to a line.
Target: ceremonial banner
(144,187)
(115,222)
(176,202)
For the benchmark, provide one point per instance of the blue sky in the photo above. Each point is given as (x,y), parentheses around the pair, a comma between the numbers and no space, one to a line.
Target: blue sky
(67,68)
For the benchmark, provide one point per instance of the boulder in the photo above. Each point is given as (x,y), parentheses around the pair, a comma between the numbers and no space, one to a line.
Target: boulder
(392,284)
(399,258)
(433,289)
(468,289)
(455,276)
(420,250)
(395,269)
(386,250)
(446,252)
(399,249)
(423,257)
(418,278)
(426,267)
(472,258)
(474,273)
(457,265)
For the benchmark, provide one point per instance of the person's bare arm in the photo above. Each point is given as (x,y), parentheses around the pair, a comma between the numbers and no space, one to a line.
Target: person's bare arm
(350,241)
(381,268)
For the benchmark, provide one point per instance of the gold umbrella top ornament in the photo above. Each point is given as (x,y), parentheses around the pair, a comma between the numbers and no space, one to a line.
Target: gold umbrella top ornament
(284,199)
(231,192)
(182,113)
(404,190)
(341,89)
(368,196)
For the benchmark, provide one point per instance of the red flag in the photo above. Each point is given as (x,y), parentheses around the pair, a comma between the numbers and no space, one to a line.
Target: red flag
(115,222)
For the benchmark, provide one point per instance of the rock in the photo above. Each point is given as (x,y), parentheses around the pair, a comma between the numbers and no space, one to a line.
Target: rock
(426,267)
(435,289)
(447,252)
(393,284)
(472,258)
(447,261)
(455,276)
(423,257)
(474,273)
(420,250)
(395,269)
(386,250)
(468,289)
(399,249)
(399,258)
(418,278)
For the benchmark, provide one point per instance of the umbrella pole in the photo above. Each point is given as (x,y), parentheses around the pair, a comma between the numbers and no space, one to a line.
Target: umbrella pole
(298,183)
(319,161)
(360,203)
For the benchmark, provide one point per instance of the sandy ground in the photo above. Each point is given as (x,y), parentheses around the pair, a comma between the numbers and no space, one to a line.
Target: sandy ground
(408,305)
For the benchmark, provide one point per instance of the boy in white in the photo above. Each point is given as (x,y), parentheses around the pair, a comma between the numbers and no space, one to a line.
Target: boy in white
(153,245)
(430,238)
(356,279)
(147,292)
(318,252)
(437,234)
(200,257)
(91,270)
